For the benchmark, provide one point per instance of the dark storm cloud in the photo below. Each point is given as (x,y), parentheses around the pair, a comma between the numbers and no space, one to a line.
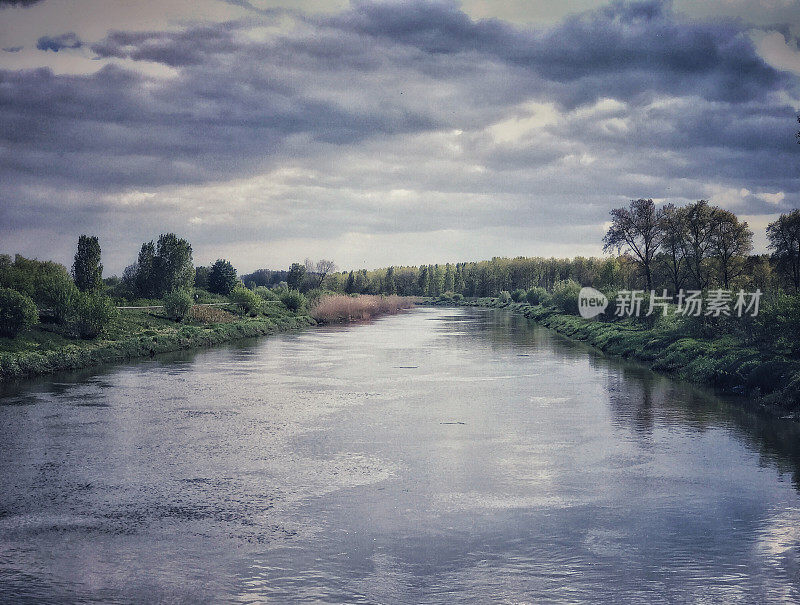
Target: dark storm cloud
(23,3)
(623,50)
(348,101)
(12,49)
(57,43)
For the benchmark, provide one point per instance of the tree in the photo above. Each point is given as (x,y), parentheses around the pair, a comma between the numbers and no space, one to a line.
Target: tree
(323,267)
(636,229)
(145,271)
(673,231)
(222,277)
(699,218)
(350,286)
(449,279)
(390,286)
(164,267)
(201,277)
(174,268)
(295,277)
(784,239)
(731,242)
(87,270)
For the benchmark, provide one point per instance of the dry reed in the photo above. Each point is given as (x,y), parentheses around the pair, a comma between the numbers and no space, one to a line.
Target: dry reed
(339,308)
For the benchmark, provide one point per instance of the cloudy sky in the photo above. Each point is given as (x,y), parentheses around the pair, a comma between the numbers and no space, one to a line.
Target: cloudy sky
(380,133)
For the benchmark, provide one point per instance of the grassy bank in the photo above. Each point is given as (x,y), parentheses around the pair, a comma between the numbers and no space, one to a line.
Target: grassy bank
(135,333)
(763,378)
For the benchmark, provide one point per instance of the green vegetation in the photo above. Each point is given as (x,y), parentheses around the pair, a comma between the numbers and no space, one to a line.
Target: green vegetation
(177,304)
(17,312)
(294,300)
(135,333)
(48,323)
(91,313)
(222,277)
(247,302)
(87,270)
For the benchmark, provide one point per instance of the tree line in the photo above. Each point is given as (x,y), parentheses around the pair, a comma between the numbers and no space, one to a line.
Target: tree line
(697,246)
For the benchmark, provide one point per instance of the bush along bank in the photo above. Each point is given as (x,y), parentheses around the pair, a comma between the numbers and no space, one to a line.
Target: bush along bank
(764,379)
(156,335)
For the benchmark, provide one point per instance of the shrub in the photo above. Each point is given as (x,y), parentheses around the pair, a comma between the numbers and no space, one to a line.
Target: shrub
(538,296)
(518,295)
(565,296)
(17,312)
(458,297)
(265,293)
(92,311)
(57,295)
(247,301)
(177,304)
(504,297)
(293,300)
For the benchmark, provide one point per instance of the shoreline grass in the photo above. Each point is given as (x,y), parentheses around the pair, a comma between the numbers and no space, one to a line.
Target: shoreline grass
(340,308)
(42,350)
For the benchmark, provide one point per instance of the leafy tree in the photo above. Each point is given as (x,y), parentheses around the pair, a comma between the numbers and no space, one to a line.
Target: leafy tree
(637,230)
(784,240)
(449,279)
(174,268)
(222,277)
(87,270)
(146,271)
(201,277)
(261,277)
(164,267)
(350,286)
(295,277)
(17,312)
(390,286)
(731,241)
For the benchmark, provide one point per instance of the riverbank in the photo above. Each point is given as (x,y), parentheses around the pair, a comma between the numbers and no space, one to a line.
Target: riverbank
(135,333)
(762,379)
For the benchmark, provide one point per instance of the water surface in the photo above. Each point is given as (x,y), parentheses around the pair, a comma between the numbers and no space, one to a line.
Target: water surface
(439,456)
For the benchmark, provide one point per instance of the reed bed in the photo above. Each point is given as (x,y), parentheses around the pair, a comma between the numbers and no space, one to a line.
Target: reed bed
(339,308)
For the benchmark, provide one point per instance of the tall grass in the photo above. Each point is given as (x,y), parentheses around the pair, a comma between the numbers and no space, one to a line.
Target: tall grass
(339,308)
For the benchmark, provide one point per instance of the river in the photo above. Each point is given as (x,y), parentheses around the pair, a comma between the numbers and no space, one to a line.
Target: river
(437,456)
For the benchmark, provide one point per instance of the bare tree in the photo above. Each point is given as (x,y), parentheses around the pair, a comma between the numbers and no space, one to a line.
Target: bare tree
(323,268)
(673,230)
(784,239)
(731,242)
(637,230)
(699,219)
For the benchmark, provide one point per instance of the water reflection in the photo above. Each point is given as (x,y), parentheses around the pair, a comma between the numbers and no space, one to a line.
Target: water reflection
(444,455)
